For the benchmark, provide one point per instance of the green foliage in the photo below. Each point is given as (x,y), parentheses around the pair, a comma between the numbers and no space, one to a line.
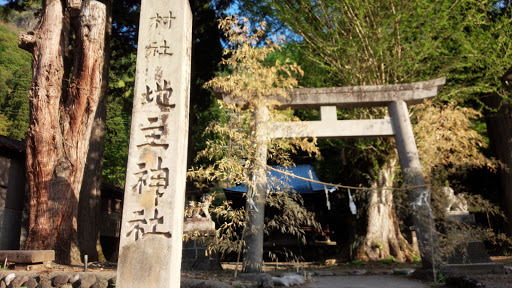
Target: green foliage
(385,42)
(446,142)
(22,14)
(389,260)
(369,43)
(255,79)
(290,215)
(122,81)
(15,80)
(4,124)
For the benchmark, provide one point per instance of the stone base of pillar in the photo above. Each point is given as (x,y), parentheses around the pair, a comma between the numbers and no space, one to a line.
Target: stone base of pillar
(195,254)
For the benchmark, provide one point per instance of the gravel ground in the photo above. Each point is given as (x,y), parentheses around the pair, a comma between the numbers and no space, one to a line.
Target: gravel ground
(495,280)
(226,276)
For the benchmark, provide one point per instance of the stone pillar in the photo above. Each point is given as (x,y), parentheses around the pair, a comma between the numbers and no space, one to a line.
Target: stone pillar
(411,169)
(152,223)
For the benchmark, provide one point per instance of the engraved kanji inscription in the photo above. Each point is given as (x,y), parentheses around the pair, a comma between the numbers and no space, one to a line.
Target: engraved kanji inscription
(143,224)
(141,176)
(159,180)
(151,180)
(160,21)
(158,48)
(137,225)
(153,132)
(161,95)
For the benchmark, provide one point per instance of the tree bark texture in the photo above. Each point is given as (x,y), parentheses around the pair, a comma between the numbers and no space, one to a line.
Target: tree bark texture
(61,117)
(89,212)
(383,236)
(253,261)
(499,129)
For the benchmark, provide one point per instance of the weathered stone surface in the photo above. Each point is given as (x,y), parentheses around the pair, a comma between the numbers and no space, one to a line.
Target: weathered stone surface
(475,268)
(462,217)
(45,284)
(472,253)
(290,279)
(332,129)
(28,256)
(357,272)
(193,283)
(101,284)
(323,273)
(31,283)
(152,222)
(412,174)
(61,279)
(16,283)
(86,281)
(74,278)
(383,272)
(199,224)
(403,271)
(8,279)
(356,96)
(267,281)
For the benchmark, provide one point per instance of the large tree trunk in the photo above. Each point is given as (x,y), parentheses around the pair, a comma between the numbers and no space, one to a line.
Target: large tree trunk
(60,121)
(253,262)
(89,212)
(499,128)
(383,236)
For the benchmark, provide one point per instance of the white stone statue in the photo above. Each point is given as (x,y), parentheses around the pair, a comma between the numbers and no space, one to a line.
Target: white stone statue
(199,210)
(453,203)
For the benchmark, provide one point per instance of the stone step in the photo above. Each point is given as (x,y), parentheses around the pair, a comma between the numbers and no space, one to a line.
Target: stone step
(469,269)
(27,256)
(474,252)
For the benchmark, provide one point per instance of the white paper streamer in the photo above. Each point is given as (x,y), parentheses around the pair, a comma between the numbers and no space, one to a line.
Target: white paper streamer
(351,204)
(327,198)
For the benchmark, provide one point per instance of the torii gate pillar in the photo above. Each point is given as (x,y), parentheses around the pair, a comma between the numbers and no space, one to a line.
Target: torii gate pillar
(413,177)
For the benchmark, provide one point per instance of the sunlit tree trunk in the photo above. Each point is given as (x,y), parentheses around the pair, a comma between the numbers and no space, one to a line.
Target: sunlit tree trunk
(383,236)
(253,261)
(61,117)
(89,212)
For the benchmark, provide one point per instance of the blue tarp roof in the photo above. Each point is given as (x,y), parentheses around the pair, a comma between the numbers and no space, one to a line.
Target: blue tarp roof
(298,185)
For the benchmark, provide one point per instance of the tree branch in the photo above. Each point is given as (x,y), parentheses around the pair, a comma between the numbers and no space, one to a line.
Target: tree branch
(26,41)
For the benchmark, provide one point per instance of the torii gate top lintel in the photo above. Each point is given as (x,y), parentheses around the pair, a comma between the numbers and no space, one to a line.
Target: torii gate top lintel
(357,96)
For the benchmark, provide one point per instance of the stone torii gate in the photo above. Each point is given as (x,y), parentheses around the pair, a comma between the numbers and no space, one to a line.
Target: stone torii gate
(398,125)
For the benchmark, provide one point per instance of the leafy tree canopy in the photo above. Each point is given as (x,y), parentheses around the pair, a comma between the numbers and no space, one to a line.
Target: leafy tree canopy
(15,79)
